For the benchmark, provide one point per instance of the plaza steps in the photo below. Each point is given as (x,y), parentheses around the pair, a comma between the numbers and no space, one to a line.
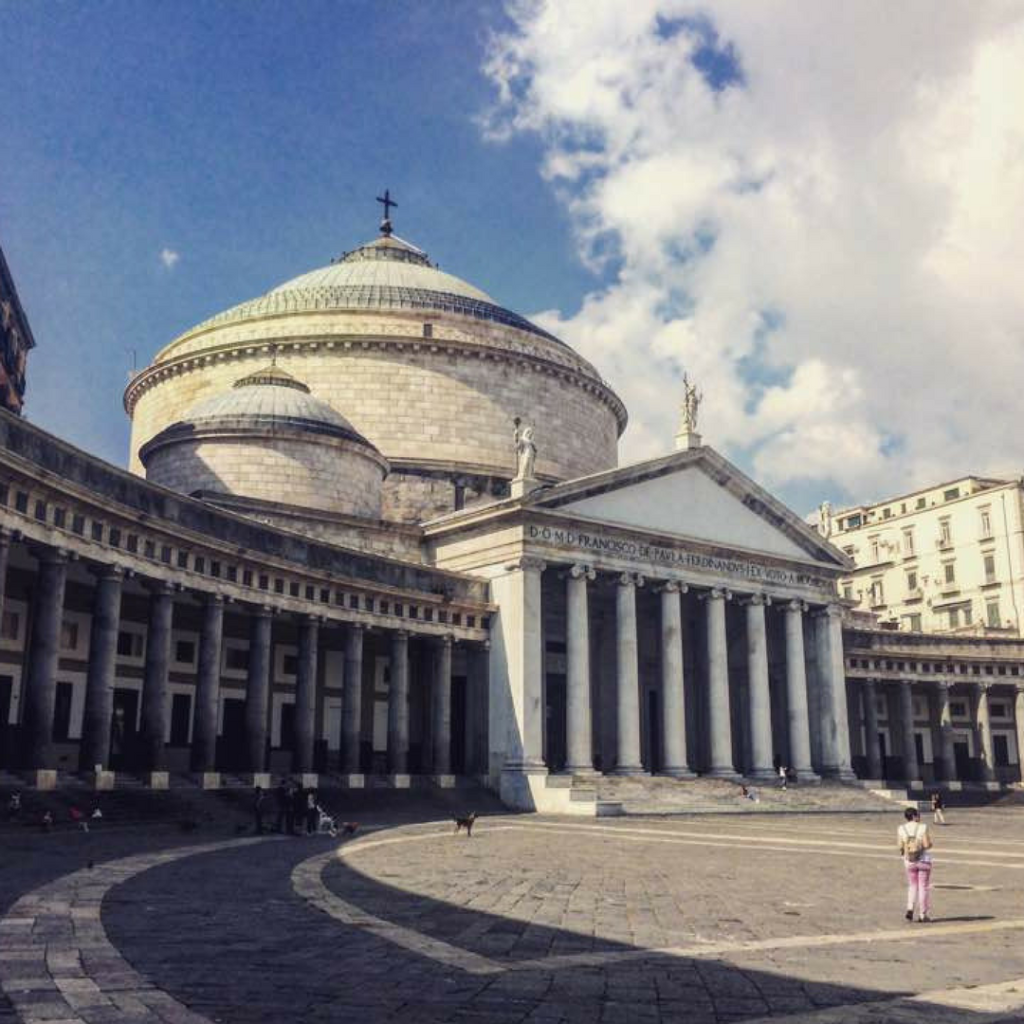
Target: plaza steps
(662,795)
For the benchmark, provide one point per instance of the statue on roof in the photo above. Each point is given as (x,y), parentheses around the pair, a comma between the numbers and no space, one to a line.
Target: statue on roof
(691,404)
(825,519)
(526,450)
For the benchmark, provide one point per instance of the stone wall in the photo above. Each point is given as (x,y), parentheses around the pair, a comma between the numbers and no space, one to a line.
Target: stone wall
(320,474)
(415,400)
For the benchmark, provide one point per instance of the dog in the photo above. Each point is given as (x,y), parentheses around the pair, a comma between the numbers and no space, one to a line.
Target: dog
(465,823)
(348,828)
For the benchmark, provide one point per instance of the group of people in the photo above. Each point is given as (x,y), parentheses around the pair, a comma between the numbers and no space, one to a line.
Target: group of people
(298,810)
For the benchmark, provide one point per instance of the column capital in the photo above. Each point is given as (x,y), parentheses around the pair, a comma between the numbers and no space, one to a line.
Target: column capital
(212,598)
(630,579)
(829,611)
(527,563)
(944,685)
(982,685)
(1019,686)
(755,599)
(356,627)
(583,571)
(716,594)
(47,555)
(262,611)
(444,640)
(399,633)
(796,605)
(673,587)
(109,571)
(312,619)
(162,588)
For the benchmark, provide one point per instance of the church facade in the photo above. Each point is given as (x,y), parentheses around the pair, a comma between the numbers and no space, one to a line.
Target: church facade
(373,523)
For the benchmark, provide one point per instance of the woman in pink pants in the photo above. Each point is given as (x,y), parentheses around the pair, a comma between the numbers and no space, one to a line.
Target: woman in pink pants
(915,844)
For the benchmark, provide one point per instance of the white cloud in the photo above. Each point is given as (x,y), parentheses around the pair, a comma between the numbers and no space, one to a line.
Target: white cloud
(169,258)
(832,248)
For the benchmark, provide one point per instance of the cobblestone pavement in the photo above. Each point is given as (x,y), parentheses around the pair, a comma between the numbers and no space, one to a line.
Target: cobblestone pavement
(795,918)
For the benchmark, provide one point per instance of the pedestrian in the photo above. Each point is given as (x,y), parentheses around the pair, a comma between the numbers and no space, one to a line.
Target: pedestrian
(47,821)
(783,776)
(14,806)
(915,844)
(937,808)
(78,819)
(312,814)
(291,807)
(257,809)
(283,800)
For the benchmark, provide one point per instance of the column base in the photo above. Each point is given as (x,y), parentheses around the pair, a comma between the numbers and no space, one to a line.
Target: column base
(523,786)
(678,773)
(953,785)
(630,769)
(261,779)
(583,771)
(100,781)
(729,774)
(399,780)
(309,780)
(443,781)
(208,780)
(762,775)
(42,778)
(352,780)
(157,780)
(913,784)
(806,775)
(839,774)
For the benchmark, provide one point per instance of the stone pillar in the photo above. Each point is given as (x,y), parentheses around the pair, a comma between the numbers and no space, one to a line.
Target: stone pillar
(947,751)
(627,678)
(441,692)
(832,675)
(257,689)
(579,737)
(41,690)
(719,713)
(398,704)
(305,694)
(761,748)
(1018,718)
(988,763)
(154,681)
(911,769)
(872,749)
(99,682)
(352,701)
(673,691)
(798,716)
(204,726)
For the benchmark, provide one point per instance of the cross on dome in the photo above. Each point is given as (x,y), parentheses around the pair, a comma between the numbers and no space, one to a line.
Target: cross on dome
(387,202)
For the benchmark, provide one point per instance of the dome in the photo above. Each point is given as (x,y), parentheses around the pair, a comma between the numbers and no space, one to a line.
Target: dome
(269,398)
(385,274)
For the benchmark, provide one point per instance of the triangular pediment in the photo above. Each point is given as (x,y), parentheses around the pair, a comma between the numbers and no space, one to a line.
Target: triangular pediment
(694,494)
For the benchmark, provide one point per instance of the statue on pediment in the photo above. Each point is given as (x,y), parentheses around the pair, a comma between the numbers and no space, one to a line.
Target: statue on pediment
(526,451)
(691,404)
(825,519)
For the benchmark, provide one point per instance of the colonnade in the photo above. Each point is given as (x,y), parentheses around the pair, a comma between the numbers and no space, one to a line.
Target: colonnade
(579,577)
(39,694)
(940,693)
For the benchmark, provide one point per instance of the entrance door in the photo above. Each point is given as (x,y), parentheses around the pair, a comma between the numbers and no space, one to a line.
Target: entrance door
(962,754)
(555,754)
(7,735)
(231,742)
(123,733)
(459,725)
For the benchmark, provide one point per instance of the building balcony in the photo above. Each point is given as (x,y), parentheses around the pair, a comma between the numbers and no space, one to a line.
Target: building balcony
(917,594)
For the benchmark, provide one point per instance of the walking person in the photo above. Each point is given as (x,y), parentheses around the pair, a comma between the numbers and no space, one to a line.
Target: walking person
(312,814)
(282,799)
(783,776)
(292,797)
(937,808)
(915,844)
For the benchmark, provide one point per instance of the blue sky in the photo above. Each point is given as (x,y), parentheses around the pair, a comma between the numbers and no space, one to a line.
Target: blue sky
(250,139)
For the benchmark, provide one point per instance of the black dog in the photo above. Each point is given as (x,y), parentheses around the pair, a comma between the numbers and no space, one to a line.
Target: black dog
(465,823)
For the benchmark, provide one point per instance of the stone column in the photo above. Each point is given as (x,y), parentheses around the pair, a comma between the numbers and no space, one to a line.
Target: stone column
(761,748)
(204,727)
(947,749)
(797,714)
(627,679)
(988,763)
(1018,718)
(911,769)
(579,738)
(441,691)
(257,689)
(305,694)
(153,733)
(398,704)
(872,749)
(352,701)
(673,691)
(99,682)
(41,691)
(832,674)
(719,713)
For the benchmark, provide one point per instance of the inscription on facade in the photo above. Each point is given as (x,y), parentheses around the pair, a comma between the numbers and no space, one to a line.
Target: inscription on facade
(674,557)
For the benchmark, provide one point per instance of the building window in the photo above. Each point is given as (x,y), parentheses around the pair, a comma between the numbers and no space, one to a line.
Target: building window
(873,544)
(951,495)
(236,659)
(114,538)
(78,524)
(986,522)
(945,534)
(428,330)
(130,645)
(69,636)
(957,709)
(886,513)
(912,622)
(920,503)
(1000,751)
(290,665)
(97,531)
(853,522)
(847,591)
(949,572)
(992,614)
(62,711)
(149,549)
(59,518)
(908,543)
(41,511)
(182,559)
(998,710)
(990,568)
(911,581)
(876,592)
(10,626)
(960,615)
(185,652)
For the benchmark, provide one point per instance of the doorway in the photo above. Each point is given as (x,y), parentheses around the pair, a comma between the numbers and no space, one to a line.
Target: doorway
(554,732)
(231,742)
(124,746)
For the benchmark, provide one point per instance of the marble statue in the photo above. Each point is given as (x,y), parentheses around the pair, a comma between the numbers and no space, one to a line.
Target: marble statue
(691,403)
(825,519)
(526,451)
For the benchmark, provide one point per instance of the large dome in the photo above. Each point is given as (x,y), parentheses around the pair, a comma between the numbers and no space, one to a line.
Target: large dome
(430,369)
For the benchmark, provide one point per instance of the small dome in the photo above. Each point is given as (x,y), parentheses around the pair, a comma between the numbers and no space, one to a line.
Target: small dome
(269,398)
